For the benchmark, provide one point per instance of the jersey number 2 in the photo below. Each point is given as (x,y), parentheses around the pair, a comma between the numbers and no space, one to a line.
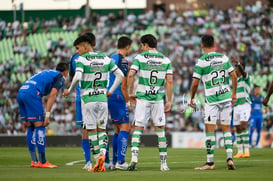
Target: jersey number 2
(96,79)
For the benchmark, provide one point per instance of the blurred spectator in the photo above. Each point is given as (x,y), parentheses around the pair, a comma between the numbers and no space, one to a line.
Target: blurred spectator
(244,35)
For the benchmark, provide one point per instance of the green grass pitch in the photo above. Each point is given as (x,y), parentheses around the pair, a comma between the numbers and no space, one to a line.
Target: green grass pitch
(15,166)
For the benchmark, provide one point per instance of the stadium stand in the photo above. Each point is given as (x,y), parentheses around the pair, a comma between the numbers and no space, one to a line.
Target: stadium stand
(244,34)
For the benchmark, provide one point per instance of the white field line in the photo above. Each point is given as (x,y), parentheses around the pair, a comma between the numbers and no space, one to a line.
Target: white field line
(151,163)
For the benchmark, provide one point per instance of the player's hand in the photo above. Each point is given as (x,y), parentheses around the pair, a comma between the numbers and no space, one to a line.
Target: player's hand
(265,101)
(265,110)
(128,105)
(168,106)
(46,122)
(108,94)
(66,93)
(192,104)
(234,99)
(132,98)
(24,125)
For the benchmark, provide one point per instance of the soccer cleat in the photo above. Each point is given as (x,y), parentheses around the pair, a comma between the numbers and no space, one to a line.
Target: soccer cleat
(123,166)
(47,165)
(109,166)
(230,164)
(34,164)
(98,170)
(99,167)
(246,154)
(164,167)
(87,166)
(132,166)
(206,167)
(238,155)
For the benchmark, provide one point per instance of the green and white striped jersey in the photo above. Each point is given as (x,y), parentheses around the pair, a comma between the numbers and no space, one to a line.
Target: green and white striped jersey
(213,69)
(95,68)
(152,67)
(243,90)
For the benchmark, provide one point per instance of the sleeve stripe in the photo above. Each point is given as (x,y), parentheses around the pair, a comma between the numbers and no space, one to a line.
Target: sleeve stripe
(133,69)
(114,70)
(196,78)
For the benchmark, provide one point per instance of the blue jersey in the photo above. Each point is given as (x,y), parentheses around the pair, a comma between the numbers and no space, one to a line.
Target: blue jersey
(122,64)
(256,106)
(43,82)
(72,71)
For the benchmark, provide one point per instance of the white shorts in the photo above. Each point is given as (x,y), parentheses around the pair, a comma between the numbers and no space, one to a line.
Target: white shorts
(221,112)
(149,109)
(241,112)
(95,115)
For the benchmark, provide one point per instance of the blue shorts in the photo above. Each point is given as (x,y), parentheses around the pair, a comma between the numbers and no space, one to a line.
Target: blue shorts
(256,122)
(79,121)
(118,110)
(30,106)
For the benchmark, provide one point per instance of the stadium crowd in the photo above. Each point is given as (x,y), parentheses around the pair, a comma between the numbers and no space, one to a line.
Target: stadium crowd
(242,33)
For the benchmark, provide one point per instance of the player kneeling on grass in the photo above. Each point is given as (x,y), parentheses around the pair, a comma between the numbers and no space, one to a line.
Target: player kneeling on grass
(29,97)
(92,71)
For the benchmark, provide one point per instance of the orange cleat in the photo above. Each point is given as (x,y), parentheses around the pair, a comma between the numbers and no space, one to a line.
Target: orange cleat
(34,164)
(99,167)
(97,170)
(47,165)
(246,154)
(238,155)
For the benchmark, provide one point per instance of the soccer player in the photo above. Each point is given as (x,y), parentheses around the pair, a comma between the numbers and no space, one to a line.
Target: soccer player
(267,97)
(215,70)
(29,97)
(154,70)
(117,105)
(92,72)
(79,123)
(241,112)
(256,119)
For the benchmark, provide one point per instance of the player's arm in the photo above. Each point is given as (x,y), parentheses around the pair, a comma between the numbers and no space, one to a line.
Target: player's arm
(124,89)
(57,85)
(234,86)
(119,76)
(49,104)
(270,91)
(74,83)
(130,81)
(194,87)
(51,99)
(169,86)
(123,66)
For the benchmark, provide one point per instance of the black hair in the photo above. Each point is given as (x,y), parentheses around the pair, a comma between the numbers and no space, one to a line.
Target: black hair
(123,42)
(256,86)
(81,39)
(207,41)
(92,38)
(150,40)
(62,66)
